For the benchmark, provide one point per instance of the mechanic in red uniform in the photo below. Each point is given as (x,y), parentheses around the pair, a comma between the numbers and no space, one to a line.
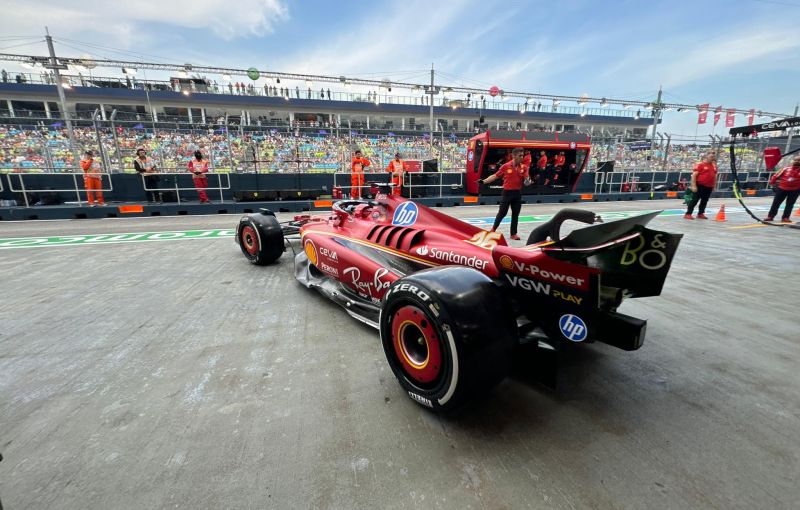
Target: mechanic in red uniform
(704,177)
(527,158)
(357,166)
(559,161)
(541,167)
(541,163)
(514,175)
(199,168)
(396,169)
(788,188)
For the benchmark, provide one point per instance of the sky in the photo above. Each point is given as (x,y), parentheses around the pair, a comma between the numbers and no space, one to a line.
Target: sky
(735,53)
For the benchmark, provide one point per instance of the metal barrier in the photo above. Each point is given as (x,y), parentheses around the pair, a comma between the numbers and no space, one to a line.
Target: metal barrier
(615,182)
(177,189)
(757,180)
(25,190)
(407,180)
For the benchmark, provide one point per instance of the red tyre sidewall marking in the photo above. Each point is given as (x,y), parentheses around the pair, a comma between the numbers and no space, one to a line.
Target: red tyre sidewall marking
(428,370)
(250,240)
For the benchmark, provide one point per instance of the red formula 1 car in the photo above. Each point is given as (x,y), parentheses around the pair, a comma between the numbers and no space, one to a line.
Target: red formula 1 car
(452,301)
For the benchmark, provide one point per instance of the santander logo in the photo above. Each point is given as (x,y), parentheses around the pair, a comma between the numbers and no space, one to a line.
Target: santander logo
(451,257)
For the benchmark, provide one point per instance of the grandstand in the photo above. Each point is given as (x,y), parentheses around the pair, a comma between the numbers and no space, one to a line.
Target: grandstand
(44,147)
(265,125)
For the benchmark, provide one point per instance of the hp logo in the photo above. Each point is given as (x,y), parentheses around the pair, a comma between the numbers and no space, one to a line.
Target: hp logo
(405,214)
(573,327)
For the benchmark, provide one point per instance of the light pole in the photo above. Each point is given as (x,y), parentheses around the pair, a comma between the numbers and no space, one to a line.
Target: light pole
(789,134)
(433,90)
(657,106)
(55,66)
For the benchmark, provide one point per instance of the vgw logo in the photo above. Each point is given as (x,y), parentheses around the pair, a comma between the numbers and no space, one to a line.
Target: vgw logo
(573,327)
(405,215)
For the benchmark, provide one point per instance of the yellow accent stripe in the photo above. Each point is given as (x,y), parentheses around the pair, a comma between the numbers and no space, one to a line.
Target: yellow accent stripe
(748,226)
(372,245)
(400,330)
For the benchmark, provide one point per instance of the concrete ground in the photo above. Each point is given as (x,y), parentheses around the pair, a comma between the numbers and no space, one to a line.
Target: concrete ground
(174,374)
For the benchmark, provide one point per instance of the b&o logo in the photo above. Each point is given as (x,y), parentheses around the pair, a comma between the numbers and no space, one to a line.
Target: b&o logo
(573,327)
(405,215)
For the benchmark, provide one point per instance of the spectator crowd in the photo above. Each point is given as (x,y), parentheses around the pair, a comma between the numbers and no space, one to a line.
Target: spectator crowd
(47,148)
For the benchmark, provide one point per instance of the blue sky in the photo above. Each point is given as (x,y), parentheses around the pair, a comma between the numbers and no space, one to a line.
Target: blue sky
(735,53)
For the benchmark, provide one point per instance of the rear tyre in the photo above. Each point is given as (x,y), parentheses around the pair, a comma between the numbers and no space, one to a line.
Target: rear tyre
(261,238)
(447,334)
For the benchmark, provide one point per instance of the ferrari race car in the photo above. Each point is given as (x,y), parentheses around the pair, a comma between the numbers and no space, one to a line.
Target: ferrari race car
(452,301)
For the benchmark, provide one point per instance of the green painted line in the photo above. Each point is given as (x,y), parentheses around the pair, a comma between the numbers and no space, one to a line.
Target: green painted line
(180,235)
(95,239)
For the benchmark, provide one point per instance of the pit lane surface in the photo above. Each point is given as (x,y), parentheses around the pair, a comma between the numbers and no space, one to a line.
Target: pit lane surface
(176,375)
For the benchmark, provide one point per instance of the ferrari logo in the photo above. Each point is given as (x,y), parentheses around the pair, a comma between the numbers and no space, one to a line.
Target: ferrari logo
(484,239)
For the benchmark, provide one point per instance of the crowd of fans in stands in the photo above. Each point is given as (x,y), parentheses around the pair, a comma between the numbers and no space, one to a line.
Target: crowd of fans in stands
(47,149)
(679,157)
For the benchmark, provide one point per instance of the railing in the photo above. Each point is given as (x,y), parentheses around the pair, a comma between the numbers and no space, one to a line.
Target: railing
(293,93)
(177,189)
(638,182)
(27,189)
(457,182)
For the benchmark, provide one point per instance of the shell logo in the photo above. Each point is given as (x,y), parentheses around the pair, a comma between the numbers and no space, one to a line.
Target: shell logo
(506,262)
(311,251)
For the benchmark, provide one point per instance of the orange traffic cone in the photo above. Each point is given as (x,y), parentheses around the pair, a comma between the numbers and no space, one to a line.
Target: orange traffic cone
(720,214)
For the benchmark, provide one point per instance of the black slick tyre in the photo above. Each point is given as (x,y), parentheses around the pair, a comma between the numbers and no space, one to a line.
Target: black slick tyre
(260,238)
(447,334)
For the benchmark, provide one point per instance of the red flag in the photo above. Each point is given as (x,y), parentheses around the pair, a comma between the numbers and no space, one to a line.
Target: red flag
(703,115)
(730,117)
(750,116)
(717,114)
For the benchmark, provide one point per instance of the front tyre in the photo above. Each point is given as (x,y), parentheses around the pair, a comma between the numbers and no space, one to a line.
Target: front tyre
(447,334)
(260,238)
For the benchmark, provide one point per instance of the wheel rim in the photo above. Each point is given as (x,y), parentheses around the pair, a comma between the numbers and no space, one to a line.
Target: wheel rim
(250,240)
(416,345)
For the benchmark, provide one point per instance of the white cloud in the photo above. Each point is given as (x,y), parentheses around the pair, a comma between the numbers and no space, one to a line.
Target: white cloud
(393,36)
(685,59)
(128,23)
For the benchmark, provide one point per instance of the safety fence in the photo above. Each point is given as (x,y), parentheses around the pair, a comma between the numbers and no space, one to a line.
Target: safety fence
(177,178)
(177,182)
(638,182)
(415,184)
(25,190)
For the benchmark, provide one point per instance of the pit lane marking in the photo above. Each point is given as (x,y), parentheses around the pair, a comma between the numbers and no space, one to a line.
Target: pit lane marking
(182,235)
(130,237)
